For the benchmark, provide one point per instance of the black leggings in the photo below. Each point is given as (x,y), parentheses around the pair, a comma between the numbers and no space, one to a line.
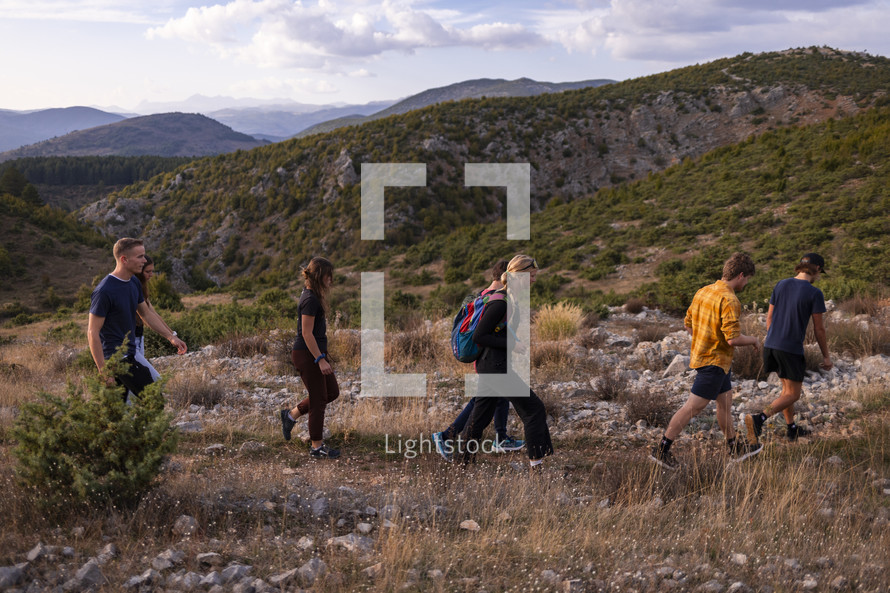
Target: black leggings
(530,410)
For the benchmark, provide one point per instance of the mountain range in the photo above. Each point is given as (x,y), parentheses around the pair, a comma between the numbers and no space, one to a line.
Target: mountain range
(270,121)
(166,134)
(649,179)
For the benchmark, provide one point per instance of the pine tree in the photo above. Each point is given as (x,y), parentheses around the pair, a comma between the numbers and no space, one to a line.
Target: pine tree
(93,449)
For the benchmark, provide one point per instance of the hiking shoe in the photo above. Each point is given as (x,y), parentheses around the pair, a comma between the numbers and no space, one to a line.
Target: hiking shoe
(508,444)
(442,446)
(287,425)
(324,452)
(797,431)
(739,450)
(754,423)
(664,458)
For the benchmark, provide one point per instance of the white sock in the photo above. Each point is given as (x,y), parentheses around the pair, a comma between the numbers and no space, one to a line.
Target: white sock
(535,462)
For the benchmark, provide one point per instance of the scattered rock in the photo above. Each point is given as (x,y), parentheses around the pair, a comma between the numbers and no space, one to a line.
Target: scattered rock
(149,579)
(373,572)
(470,525)
(87,576)
(312,570)
(215,449)
(210,560)
(11,576)
(352,543)
(840,583)
(167,559)
(235,572)
(185,526)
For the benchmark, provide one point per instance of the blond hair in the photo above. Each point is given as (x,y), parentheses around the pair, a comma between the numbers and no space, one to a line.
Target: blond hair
(125,245)
(519,263)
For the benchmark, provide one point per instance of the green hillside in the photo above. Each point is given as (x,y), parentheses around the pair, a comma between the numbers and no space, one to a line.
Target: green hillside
(822,188)
(254,215)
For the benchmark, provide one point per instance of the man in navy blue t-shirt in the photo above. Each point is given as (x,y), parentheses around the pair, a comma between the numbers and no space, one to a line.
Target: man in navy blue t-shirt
(113,308)
(793,302)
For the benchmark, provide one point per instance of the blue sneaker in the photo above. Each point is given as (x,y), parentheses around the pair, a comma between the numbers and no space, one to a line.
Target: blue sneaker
(443,447)
(508,444)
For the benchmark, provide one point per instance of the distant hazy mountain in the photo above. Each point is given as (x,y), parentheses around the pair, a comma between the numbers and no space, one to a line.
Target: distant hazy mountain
(281,122)
(18,128)
(470,89)
(165,134)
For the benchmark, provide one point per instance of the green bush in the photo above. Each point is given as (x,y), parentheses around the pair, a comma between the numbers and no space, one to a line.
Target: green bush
(93,449)
(162,294)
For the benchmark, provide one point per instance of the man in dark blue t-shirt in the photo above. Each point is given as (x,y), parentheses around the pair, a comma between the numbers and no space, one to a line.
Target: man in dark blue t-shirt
(113,308)
(793,302)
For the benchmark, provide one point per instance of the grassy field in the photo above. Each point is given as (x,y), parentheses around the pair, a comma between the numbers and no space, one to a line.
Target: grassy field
(807,516)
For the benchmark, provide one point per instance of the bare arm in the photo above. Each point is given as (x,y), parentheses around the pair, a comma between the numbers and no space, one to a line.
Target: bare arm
(93,327)
(743,340)
(822,340)
(769,316)
(151,307)
(154,321)
(307,324)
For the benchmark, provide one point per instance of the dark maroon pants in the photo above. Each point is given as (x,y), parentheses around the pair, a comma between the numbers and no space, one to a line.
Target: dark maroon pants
(323,389)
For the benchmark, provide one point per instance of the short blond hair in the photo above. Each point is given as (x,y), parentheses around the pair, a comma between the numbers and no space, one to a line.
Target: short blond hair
(124,245)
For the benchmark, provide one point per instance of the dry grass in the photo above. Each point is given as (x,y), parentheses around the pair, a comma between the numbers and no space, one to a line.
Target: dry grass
(557,322)
(599,513)
(196,387)
(610,522)
(861,305)
(646,404)
(855,338)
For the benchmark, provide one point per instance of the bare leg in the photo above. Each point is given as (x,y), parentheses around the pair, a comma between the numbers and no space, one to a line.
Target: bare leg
(791,391)
(724,414)
(687,412)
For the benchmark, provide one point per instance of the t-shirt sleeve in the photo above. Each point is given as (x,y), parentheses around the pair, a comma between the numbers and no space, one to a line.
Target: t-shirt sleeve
(819,302)
(730,312)
(99,304)
(310,306)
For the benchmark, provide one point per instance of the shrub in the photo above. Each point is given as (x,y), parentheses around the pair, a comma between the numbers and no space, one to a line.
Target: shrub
(163,295)
(191,388)
(67,332)
(95,448)
(861,305)
(747,363)
(242,346)
(556,322)
(610,385)
(634,305)
(647,405)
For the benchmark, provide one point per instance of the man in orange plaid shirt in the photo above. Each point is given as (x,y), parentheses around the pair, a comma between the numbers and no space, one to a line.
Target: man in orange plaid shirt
(713,322)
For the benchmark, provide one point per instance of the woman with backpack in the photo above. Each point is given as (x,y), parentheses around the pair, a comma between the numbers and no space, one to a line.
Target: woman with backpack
(495,383)
(503,441)
(309,356)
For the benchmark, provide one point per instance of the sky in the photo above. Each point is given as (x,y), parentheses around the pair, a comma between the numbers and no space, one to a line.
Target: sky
(126,55)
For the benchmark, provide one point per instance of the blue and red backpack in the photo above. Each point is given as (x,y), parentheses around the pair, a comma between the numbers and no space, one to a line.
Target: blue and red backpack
(462,345)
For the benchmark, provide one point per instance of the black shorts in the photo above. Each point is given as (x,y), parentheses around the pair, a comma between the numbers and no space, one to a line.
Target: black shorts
(787,365)
(711,381)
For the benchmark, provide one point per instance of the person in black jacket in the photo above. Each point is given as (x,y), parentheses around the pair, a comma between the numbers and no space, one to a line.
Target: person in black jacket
(492,334)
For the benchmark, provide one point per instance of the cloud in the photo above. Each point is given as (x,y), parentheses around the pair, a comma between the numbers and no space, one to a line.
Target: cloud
(274,86)
(284,33)
(97,11)
(696,30)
